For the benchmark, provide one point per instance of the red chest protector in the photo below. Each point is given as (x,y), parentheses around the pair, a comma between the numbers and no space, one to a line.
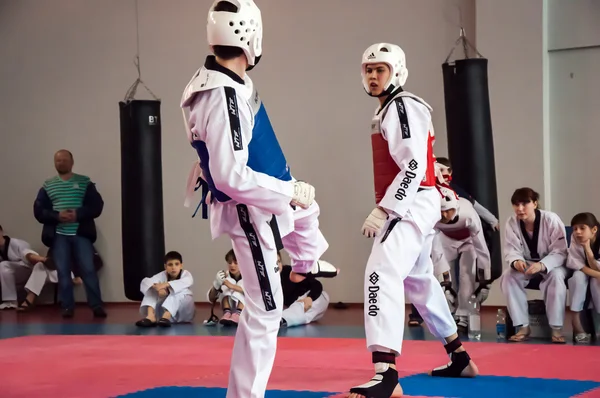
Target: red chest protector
(460,234)
(385,168)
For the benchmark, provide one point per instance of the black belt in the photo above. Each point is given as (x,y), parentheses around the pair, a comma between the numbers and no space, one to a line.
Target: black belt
(276,233)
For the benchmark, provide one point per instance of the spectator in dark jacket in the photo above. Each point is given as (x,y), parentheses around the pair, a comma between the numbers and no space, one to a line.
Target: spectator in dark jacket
(67,205)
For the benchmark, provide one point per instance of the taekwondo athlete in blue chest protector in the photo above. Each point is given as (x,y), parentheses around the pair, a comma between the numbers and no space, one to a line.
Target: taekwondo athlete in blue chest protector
(243,200)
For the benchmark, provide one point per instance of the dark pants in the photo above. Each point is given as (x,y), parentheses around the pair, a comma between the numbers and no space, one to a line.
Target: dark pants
(64,249)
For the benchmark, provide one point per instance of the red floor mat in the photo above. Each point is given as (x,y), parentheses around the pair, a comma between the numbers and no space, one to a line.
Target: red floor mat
(104,366)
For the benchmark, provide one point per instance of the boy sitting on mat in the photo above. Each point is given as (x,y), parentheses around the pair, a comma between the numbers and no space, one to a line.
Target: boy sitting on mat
(228,289)
(168,295)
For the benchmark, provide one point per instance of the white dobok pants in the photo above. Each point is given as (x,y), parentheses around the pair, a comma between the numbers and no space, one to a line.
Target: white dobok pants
(553,288)
(180,306)
(256,336)
(578,286)
(295,315)
(402,263)
(228,294)
(40,275)
(12,273)
(445,252)
(305,244)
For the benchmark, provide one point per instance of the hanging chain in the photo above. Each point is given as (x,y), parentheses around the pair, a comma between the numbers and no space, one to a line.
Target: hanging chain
(466,44)
(130,94)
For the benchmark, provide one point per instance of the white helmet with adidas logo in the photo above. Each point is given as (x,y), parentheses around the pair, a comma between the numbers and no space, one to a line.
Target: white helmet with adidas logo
(394,57)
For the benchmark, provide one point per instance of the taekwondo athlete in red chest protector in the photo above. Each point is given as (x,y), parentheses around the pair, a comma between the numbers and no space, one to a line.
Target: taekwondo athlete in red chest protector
(402,225)
(243,200)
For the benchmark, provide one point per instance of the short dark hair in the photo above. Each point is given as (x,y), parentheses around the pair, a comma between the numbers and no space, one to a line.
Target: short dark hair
(230,257)
(227,52)
(524,195)
(1,229)
(173,255)
(444,162)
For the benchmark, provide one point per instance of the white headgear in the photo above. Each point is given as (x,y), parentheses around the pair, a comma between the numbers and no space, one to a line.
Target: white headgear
(449,199)
(394,57)
(242,29)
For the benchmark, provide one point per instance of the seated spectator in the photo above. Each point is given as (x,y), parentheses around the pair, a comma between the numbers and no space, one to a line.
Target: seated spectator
(229,291)
(583,256)
(67,205)
(535,247)
(16,262)
(168,295)
(304,302)
(44,272)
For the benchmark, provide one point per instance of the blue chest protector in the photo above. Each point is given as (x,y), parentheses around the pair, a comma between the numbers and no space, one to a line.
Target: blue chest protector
(264,156)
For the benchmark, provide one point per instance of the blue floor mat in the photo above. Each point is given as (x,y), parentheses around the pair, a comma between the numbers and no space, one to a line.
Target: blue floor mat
(421,385)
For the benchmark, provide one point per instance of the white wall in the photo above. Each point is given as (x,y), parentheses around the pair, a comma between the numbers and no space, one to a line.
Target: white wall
(573,23)
(69,64)
(574,41)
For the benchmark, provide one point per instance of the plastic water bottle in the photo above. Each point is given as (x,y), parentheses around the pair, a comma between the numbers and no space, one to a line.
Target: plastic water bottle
(501,324)
(474,319)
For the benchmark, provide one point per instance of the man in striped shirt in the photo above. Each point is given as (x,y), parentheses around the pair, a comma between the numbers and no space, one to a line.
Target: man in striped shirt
(67,205)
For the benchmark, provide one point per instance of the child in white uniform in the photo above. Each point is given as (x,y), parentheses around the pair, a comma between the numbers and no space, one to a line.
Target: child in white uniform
(583,256)
(228,289)
(168,295)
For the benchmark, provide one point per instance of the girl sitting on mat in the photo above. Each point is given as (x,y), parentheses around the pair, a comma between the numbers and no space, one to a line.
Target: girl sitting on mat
(583,256)
(535,247)
(228,289)
(168,295)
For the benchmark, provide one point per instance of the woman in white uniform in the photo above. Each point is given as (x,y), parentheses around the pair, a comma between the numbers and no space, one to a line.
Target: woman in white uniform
(583,256)
(535,246)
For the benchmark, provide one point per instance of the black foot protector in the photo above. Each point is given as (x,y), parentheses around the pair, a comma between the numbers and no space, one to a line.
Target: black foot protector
(458,361)
(384,382)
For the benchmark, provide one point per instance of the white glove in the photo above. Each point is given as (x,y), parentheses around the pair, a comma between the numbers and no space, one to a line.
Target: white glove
(304,195)
(483,295)
(374,223)
(218,282)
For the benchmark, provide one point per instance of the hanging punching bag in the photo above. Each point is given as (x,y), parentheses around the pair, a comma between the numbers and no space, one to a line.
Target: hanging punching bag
(470,139)
(142,223)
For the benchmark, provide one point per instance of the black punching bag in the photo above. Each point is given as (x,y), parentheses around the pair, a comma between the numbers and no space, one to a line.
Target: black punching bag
(470,139)
(142,223)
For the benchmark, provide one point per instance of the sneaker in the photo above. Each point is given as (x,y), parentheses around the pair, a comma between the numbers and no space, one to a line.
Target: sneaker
(463,323)
(68,313)
(99,312)
(226,320)
(8,305)
(235,318)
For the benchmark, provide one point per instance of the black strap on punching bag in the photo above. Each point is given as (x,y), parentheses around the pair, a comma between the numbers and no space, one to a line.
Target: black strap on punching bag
(470,138)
